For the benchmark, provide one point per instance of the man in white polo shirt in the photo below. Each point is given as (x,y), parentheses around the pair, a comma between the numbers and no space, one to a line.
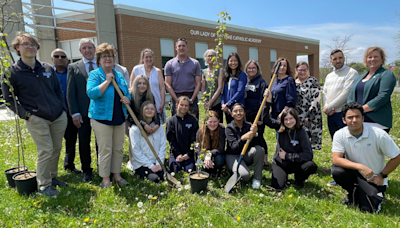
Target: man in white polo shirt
(363,172)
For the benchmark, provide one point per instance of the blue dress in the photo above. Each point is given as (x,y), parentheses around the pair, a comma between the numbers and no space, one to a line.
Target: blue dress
(234,91)
(283,94)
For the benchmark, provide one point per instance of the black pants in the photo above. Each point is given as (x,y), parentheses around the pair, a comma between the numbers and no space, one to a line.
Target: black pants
(260,130)
(358,188)
(84,133)
(146,173)
(301,172)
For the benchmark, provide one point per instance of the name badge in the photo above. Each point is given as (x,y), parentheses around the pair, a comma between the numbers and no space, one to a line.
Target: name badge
(294,142)
(251,88)
(188,126)
(47,74)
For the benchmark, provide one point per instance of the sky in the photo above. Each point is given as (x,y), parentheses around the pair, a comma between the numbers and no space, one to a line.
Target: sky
(370,23)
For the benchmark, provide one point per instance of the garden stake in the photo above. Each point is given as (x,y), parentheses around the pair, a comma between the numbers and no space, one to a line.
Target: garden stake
(236,176)
(168,176)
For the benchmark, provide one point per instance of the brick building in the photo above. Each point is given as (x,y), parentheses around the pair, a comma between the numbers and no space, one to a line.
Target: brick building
(139,28)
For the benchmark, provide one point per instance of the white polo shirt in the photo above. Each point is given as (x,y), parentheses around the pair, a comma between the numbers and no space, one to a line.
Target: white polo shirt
(369,149)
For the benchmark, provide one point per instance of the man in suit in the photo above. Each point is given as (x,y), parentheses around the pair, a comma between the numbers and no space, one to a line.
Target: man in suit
(78,102)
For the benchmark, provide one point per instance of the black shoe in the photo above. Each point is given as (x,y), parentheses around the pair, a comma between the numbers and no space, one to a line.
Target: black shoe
(56,182)
(87,177)
(74,170)
(49,191)
(299,186)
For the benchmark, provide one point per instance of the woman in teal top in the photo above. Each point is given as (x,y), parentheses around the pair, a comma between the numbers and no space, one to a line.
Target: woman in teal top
(373,90)
(107,113)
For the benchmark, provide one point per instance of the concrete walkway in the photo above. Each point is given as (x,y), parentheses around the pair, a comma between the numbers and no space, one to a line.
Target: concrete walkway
(6,114)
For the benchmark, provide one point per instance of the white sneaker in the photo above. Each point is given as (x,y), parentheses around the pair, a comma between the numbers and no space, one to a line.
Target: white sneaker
(129,165)
(256,184)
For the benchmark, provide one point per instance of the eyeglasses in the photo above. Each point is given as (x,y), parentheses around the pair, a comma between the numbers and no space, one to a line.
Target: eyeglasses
(210,56)
(25,45)
(303,70)
(107,56)
(59,56)
(251,68)
(238,111)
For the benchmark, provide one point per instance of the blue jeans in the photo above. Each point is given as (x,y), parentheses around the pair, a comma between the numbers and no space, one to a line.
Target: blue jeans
(219,162)
(335,122)
(187,165)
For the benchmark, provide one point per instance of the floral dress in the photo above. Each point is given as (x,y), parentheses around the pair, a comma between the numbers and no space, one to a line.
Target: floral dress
(309,108)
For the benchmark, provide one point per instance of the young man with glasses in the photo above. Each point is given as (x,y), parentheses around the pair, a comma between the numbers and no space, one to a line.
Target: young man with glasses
(42,104)
(78,103)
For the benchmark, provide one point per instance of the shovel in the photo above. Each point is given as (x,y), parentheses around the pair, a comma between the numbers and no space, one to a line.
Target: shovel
(236,176)
(168,176)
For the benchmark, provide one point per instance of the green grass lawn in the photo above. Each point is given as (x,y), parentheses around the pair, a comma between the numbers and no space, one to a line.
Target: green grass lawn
(145,204)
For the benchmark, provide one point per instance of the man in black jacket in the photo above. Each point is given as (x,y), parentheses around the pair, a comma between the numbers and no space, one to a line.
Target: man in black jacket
(78,102)
(41,104)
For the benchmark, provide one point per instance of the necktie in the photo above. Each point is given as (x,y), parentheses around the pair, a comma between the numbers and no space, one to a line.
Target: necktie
(91,66)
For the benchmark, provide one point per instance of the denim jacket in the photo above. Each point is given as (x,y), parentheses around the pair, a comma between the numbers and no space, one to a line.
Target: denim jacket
(102,105)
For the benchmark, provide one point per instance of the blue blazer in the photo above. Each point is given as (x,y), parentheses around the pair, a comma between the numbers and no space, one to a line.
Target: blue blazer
(377,92)
(102,105)
(236,92)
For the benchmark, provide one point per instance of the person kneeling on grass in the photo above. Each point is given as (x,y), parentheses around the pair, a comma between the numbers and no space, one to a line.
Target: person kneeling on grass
(358,155)
(214,143)
(293,151)
(237,133)
(181,133)
(143,160)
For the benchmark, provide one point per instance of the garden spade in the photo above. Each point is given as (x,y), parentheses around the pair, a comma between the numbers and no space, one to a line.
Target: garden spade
(236,176)
(168,176)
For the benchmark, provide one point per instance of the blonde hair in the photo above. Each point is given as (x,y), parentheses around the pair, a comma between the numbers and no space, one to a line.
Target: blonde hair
(255,63)
(136,97)
(20,35)
(301,63)
(372,49)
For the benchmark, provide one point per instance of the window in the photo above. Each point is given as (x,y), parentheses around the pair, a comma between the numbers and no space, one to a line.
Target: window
(227,49)
(167,51)
(200,49)
(253,53)
(273,57)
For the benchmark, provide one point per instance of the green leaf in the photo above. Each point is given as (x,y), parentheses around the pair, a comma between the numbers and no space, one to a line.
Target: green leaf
(224,27)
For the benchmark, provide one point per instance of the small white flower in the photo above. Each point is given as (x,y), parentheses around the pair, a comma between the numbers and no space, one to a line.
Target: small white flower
(172,174)
(141,211)
(179,189)
(140,204)
(190,170)
(261,195)
(161,193)
(187,187)
(136,198)
(150,196)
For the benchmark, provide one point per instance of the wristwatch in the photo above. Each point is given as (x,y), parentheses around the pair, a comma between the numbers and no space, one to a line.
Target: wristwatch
(383,175)
(190,100)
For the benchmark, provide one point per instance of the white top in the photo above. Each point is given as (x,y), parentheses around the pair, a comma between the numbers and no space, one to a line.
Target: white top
(141,153)
(154,83)
(369,149)
(337,87)
(123,71)
(86,61)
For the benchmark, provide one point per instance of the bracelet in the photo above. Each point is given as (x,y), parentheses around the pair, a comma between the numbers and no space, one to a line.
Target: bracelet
(383,175)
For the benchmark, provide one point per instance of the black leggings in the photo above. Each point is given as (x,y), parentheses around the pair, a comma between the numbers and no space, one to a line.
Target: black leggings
(301,172)
(146,173)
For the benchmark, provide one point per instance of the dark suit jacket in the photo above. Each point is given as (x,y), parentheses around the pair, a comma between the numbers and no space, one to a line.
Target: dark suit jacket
(78,101)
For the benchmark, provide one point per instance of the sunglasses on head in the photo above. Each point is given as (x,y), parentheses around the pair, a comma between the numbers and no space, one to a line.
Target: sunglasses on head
(58,56)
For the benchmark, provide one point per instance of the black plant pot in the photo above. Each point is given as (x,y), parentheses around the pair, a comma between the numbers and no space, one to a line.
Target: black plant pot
(9,174)
(26,185)
(198,183)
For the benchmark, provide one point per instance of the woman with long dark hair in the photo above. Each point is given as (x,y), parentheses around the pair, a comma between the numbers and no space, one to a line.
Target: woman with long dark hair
(293,151)
(235,82)
(211,143)
(283,89)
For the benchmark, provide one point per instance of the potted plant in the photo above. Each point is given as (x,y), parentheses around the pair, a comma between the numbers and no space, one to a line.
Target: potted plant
(17,176)
(198,178)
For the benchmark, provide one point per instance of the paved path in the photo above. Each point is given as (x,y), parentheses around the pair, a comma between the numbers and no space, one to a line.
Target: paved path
(5,114)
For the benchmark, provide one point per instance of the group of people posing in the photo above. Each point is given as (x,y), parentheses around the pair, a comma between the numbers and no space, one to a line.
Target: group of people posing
(72,99)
